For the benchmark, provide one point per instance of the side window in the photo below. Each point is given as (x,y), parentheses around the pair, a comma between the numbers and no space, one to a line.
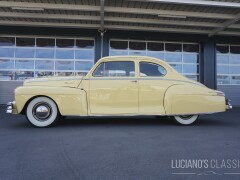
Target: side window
(115,69)
(99,70)
(150,69)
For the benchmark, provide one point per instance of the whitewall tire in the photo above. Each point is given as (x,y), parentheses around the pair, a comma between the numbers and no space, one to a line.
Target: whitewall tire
(42,112)
(185,119)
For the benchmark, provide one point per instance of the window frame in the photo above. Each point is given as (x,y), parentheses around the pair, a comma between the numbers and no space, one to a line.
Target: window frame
(149,62)
(135,70)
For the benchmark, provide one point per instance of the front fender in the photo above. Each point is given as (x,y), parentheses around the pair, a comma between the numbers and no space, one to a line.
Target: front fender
(70,101)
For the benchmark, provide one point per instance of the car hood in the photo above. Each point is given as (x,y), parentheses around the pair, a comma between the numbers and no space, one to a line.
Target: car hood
(70,81)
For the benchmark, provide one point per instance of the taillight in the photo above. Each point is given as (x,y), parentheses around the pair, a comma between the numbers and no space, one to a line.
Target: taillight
(219,93)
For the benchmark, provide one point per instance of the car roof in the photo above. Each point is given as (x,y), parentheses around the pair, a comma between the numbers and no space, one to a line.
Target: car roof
(126,56)
(132,58)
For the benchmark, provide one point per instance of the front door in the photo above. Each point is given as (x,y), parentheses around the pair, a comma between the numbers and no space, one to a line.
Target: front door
(114,89)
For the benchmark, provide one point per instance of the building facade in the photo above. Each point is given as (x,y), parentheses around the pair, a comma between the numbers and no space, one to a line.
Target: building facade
(32,49)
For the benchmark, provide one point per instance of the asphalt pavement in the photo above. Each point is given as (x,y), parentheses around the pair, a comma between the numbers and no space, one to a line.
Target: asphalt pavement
(119,148)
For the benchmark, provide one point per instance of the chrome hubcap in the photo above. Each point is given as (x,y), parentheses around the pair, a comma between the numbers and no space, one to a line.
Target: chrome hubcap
(42,111)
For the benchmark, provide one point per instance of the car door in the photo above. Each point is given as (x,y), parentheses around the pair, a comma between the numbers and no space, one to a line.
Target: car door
(114,88)
(152,87)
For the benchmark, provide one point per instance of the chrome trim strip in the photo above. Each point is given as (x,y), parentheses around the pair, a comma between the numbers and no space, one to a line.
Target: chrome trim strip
(42,80)
(169,79)
(105,78)
(164,79)
(124,115)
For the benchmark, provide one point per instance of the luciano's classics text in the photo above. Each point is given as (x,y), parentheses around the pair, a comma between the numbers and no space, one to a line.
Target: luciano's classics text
(205,163)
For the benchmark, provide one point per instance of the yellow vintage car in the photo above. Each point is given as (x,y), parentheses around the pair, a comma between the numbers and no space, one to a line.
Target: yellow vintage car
(117,86)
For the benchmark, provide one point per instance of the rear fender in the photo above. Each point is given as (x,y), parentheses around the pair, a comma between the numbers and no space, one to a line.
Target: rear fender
(192,99)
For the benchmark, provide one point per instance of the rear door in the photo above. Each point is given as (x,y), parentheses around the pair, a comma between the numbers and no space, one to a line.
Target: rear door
(152,87)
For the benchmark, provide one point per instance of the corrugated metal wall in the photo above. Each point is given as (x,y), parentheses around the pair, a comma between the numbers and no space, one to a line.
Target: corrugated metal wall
(232,93)
(7,90)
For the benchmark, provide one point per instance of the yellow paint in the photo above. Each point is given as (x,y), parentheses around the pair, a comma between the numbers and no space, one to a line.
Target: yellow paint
(113,96)
(194,99)
(70,101)
(168,95)
(55,81)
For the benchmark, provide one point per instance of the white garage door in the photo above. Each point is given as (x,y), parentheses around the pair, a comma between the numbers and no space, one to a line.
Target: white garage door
(184,57)
(23,57)
(228,71)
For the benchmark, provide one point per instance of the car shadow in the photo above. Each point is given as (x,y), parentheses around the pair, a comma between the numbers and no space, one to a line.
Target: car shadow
(134,121)
(115,121)
(203,121)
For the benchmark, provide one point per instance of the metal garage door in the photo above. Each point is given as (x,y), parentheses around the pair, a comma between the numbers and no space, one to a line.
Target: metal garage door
(7,90)
(228,71)
(184,57)
(23,57)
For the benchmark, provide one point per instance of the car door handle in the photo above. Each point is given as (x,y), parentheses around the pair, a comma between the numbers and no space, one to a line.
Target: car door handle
(134,81)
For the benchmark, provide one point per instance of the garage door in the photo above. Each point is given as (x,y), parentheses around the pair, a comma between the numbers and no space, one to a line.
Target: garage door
(23,57)
(184,57)
(228,71)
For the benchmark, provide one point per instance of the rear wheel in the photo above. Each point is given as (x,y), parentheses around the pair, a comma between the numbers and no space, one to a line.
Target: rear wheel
(185,119)
(42,112)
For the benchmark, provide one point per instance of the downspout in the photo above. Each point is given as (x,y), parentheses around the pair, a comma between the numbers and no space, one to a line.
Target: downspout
(101,29)
(102,36)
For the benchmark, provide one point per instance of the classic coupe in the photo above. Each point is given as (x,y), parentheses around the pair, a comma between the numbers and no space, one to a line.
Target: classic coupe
(117,86)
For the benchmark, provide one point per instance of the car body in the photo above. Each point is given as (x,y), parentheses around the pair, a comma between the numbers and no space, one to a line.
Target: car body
(118,86)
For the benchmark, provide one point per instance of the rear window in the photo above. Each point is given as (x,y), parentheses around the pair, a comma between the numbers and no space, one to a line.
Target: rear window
(151,69)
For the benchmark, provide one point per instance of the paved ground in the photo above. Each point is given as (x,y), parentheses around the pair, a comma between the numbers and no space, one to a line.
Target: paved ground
(119,148)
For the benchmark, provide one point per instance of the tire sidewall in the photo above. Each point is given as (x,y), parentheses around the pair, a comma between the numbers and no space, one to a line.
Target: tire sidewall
(36,122)
(184,121)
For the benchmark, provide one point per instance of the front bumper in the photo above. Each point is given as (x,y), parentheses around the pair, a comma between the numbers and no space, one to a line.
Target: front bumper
(11,109)
(228,105)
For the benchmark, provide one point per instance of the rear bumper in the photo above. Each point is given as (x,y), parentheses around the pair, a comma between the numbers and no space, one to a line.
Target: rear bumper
(228,105)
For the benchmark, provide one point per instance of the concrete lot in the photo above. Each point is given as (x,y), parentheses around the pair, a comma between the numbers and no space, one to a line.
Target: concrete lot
(116,148)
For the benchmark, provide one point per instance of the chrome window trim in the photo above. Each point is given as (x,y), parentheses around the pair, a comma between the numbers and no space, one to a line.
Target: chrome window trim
(139,65)
(142,78)
(134,63)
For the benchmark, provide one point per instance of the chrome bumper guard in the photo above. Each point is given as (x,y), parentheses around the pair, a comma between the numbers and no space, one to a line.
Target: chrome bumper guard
(229,106)
(9,108)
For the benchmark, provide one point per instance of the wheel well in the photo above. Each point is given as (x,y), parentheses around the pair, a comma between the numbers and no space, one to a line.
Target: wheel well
(26,104)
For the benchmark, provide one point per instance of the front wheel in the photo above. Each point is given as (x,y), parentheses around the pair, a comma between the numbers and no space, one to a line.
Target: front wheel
(42,112)
(185,119)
